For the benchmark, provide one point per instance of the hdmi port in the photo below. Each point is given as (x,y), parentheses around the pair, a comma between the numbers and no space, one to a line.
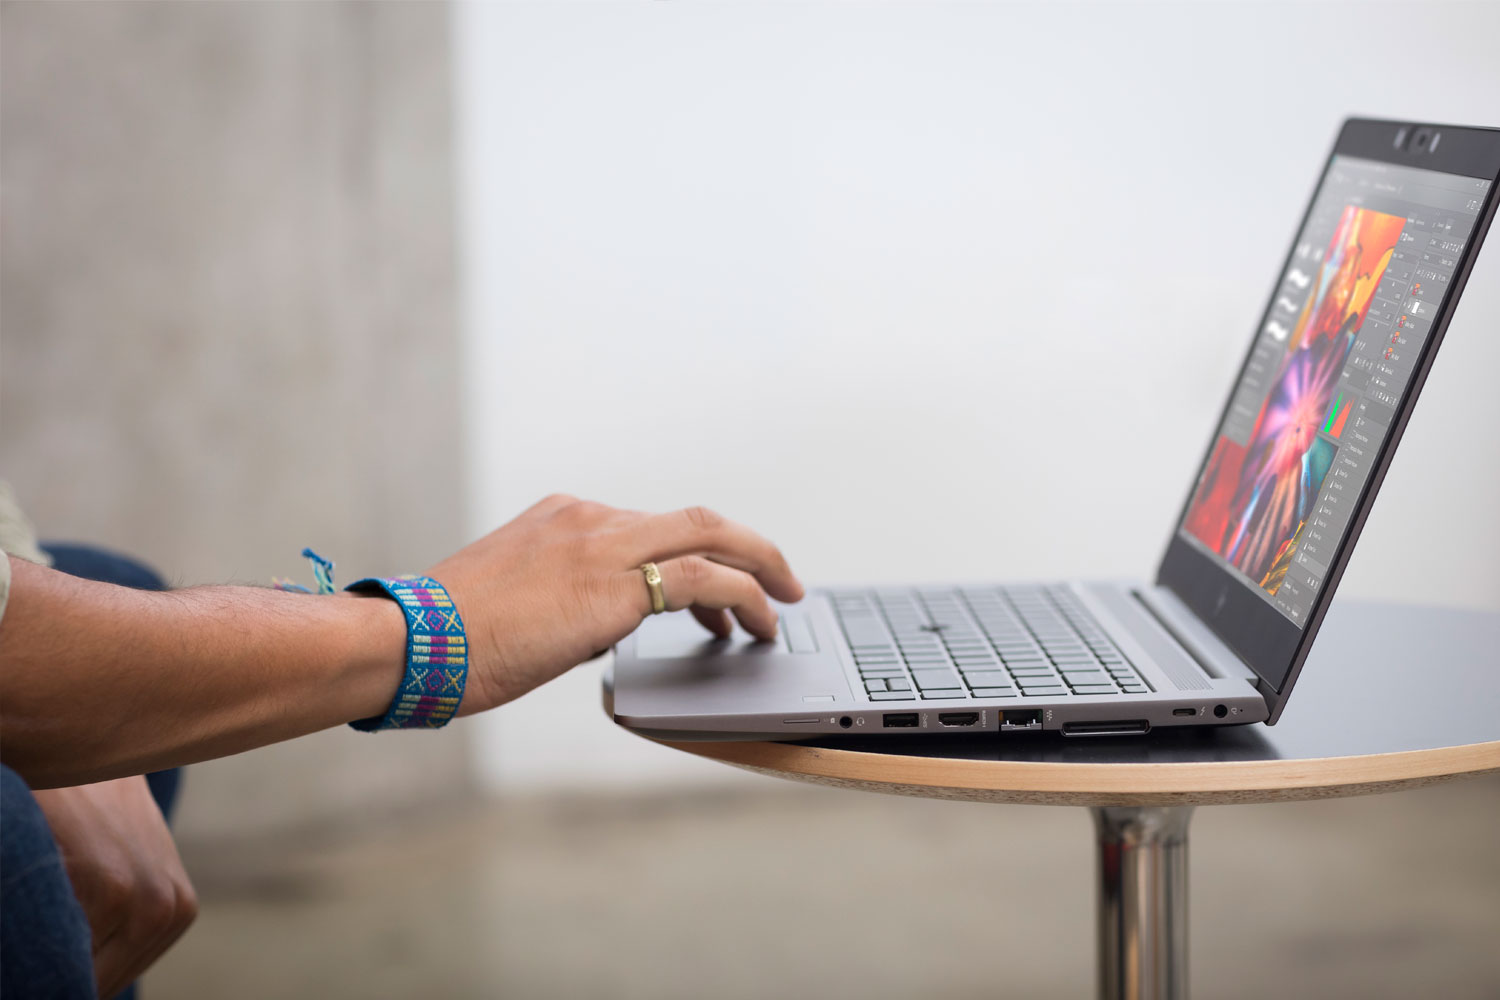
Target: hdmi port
(957,718)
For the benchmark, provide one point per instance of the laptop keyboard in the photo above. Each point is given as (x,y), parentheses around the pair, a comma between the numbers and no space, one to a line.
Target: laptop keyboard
(980,642)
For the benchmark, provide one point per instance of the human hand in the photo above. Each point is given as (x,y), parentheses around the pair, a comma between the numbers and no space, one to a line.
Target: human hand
(125,872)
(562,582)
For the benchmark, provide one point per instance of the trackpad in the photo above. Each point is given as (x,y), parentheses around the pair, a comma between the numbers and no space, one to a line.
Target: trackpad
(678,635)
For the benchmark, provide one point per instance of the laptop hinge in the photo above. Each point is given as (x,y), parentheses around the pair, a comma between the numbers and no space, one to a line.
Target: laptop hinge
(1195,638)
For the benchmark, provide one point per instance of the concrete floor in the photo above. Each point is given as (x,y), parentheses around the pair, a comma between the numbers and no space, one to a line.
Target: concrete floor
(802,892)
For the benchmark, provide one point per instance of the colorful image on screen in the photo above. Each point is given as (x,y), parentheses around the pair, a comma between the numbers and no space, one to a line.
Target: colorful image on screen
(1255,498)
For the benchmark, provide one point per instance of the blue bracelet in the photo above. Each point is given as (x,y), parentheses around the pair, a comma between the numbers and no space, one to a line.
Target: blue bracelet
(437,655)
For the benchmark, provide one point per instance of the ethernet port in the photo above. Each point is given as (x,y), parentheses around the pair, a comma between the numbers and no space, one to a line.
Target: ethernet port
(1019,719)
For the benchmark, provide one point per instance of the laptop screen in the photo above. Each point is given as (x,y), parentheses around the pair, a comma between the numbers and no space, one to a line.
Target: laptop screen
(1326,375)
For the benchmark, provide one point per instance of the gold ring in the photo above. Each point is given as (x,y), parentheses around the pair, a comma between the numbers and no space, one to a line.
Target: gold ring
(653,583)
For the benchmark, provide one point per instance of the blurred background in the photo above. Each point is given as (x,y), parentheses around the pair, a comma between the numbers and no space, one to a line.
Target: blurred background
(921,291)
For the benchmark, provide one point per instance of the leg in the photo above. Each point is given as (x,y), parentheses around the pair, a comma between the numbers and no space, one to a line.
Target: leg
(94,563)
(46,947)
(1143,902)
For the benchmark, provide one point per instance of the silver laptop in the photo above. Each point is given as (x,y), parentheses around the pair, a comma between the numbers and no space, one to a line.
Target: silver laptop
(1308,430)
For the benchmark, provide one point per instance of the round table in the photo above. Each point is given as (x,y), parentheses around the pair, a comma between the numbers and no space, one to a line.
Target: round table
(1391,697)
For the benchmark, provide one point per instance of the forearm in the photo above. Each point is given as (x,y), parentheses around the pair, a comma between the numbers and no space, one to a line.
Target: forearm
(98,681)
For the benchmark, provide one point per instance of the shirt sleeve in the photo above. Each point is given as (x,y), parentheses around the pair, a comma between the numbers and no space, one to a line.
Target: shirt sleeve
(4,583)
(17,538)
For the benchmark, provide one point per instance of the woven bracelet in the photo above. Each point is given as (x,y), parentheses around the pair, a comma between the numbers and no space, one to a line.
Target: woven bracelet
(437,655)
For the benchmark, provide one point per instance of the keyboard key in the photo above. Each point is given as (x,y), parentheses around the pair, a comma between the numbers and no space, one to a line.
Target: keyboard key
(927,679)
(1077,677)
(995,692)
(861,629)
(899,684)
(937,693)
(875,685)
(986,678)
(890,696)
(1093,689)
(1043,692)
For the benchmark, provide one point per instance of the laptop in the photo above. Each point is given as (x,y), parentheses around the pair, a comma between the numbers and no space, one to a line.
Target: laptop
(1307,431)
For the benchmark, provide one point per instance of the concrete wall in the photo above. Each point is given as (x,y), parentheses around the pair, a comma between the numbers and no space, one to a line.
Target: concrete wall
(228,321)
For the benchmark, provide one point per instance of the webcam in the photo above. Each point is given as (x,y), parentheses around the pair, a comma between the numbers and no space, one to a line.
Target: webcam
(1422,140)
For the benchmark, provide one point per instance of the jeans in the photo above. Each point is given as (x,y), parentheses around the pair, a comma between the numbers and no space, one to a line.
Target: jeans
(45,948)
(45,941)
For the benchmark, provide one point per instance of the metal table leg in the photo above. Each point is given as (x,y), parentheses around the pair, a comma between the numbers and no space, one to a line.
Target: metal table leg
(1143,887)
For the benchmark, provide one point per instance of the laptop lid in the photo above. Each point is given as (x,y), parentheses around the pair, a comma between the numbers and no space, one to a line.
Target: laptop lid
(1346,340)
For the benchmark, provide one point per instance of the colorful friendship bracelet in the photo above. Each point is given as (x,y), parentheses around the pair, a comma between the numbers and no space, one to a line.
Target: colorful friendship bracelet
(322,572)
(437,649)
(437,655)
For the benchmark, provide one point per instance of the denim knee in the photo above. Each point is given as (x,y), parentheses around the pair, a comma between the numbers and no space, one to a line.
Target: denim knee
(45,942)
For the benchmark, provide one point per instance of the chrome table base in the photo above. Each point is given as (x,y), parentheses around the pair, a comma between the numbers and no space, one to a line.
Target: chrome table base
(1143,886)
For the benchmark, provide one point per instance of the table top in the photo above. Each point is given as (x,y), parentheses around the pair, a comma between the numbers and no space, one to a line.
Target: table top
(1392,696)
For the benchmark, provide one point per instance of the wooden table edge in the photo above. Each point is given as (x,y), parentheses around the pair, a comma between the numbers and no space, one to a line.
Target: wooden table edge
(1058,783)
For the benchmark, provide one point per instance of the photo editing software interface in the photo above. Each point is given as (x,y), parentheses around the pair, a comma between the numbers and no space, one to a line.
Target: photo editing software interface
(1327,372)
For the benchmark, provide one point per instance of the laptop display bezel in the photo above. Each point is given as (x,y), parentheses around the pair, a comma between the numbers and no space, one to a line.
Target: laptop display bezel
(1271,644)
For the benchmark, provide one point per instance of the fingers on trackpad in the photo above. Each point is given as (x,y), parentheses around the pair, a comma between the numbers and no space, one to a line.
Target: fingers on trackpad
(672,636)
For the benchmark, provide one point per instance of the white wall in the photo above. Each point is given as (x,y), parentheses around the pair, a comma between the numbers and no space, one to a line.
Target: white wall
(923,292)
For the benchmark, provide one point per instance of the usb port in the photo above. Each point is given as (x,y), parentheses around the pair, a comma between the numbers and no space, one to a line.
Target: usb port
(901,720)
(1184,711)
(958,718)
